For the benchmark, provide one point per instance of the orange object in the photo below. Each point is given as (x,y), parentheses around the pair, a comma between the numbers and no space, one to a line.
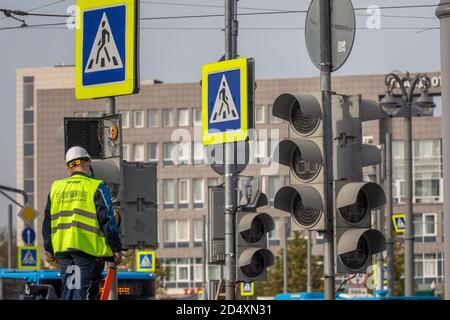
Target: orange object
(108,283)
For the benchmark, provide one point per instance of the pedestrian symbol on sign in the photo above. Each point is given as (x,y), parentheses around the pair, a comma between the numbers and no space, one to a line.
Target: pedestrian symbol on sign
(145,262)
(224,107)
(104,53)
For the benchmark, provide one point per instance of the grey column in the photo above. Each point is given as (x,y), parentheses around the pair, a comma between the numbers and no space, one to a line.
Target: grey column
(389,209)
(229,177)
(325,86)
(443,13)
(380,227)
(10,235)
(285,255)
(409,233)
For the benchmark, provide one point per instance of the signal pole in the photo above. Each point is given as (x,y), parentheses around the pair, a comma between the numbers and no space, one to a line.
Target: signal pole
(325,84)
(113,295)
(443,13)
(231,33)
(389,227)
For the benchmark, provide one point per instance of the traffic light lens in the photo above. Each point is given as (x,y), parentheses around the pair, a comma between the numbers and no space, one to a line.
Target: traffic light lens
(255,267)
(304,216)
(355,260)
(301,122)
(256,231)
(357,211)
(304,170)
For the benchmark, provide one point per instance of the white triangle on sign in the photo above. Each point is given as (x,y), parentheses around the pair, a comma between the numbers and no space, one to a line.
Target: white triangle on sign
(29,259)
(401,223)
(224,107)
(145,263)
(104,53)
(247,287)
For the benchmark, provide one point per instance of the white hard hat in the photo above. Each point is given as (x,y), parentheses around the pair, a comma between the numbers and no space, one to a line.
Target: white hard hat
(75,153)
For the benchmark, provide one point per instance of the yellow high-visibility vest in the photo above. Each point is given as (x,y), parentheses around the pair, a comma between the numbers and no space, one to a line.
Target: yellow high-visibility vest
(74,223)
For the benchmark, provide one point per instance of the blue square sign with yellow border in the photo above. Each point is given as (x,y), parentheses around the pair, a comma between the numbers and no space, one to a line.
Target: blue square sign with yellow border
(225,101)
(146,261)
(107,46)
(28,258)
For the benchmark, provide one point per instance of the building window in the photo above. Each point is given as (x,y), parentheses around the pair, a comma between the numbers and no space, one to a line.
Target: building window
(198,191)
(259,114)
(29,186)
(138,154)
(197,116)
(28,93)
(429,227)
(183,270)
(197,152)
(153,118)
(183,193)
(168,194)
(28,168)
(198,231)
(212,182)
(183,117)
(125,119)
(28,149)
(153,152)
(28,133)
(125,151)
(167,153)
(272,144)
(183,233)
(260,151)
(169,233)
(274,235)
(28,117)
(274,186)
(183,152)
(171,269)
(80,114)
(272,118)
(138,119)
(167,118)
(198,271)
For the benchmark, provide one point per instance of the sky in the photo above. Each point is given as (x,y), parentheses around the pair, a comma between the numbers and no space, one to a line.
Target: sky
(173,50)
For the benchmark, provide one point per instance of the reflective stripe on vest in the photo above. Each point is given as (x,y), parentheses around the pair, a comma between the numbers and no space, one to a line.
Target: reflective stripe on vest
(74,223)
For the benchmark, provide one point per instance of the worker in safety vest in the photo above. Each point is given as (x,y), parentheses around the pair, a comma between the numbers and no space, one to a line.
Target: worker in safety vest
(79,228)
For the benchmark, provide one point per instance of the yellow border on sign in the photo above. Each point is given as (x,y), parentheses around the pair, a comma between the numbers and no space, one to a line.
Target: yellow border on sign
(235,135)
(106,90)
(247,294)
(138,261)
(398,215)
(38,258)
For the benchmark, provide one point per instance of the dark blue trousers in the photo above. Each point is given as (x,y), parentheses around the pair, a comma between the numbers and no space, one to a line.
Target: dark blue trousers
(81,275)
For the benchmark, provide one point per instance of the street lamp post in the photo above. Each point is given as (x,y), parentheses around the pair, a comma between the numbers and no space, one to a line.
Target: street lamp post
(392,106)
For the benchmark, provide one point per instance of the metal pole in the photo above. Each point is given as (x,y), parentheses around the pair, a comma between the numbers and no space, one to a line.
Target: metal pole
(111,109)
(229,178)
(389,209)
(443,13)
(205,295)
(285,256)
(380,213)
(309,263)
(325,83)
(409,233)
(10,235)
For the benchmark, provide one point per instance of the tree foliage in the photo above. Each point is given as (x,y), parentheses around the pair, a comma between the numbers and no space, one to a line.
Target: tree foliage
(297,270)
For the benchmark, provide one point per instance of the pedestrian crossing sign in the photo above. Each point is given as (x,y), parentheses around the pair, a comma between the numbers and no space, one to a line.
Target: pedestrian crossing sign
(106,48)
(145,261)
(399,221)
(29,258)
(225,101)
(247,289)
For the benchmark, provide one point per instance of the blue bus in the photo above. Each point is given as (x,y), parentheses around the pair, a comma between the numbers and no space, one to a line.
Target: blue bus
(46,285)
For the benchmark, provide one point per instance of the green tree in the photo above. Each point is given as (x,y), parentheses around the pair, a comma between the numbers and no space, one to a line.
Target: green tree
(399,267)
(297,268)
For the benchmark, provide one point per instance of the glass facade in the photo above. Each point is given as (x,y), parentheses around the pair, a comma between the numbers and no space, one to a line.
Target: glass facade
(427,171)
(28,138)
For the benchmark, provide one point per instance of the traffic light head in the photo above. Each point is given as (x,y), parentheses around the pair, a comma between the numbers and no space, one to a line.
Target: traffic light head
(253,255)
(356,242)
(303,154)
